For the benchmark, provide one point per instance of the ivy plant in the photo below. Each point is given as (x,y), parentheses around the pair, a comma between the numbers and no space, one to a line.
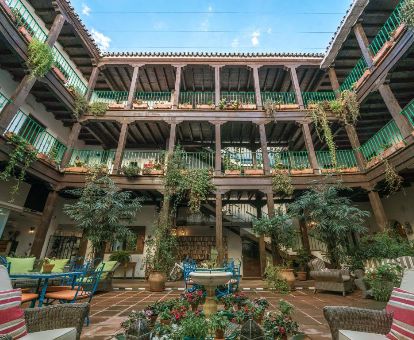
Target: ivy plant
(281,182)
(393,181)
(40,58)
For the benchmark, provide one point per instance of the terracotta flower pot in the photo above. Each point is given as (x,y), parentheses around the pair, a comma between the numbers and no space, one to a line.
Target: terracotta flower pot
(59,74)
(254,172)
(48,267)
(25,33)
(205,106)
(116,106)
(289,276)
(232,172)
(301,172)
(383,52)
(363,79)
(141,106)
(302,276)
(287,107)
(157,281)
(248,106)
(152,172)
(186,106)
(80,169)
(219,334)
(397,34)
(162,106)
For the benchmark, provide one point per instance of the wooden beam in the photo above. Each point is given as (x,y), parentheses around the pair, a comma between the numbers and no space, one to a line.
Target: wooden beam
(378,210)
(353,139)
(177,85)
(363,43)
(120,148)
(133,86)
(73,137)
(92,82)
(309,146)
(265,153)
(296,86)
(255,70)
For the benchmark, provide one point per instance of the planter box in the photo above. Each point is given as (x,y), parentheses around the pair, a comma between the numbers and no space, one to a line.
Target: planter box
(185,106)
(312,106)
(46,158)
(232,172)
(397,34)
(152,172)
(288,107)
(363,79)
(25,33)
(9,135)
(388,152)
(349,170)
(78,169)
(7,9)
(283,171)
(116,106)
(374,161)
(59,74)
(205,106)
(383,52)
(141,106)
(248,106)
(162,106)
(301,172)
(254,172)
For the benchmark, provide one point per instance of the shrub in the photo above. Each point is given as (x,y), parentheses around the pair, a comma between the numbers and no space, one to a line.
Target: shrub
(97,109)
(275,281)
(40,58)
(407,13)
(383,279)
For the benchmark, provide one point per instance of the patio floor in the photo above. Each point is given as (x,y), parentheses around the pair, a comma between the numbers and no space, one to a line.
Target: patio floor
(108,310)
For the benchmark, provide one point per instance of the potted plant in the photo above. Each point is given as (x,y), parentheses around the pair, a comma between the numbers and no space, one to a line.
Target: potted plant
(230,168)
(151,313)
(20,21)
(280,325)
(255,171)
(383,279)
(39,58)
(121,256)
(195,298)
(218,324)
(59,73)
(118,105)
(302,259)
(165,317)
(301,171)
(185,106)
(209,106)
(131,170)
(47,267)
(162,105)
(193,327)
(248,106)
(79,166)
(154,169)
(139,105)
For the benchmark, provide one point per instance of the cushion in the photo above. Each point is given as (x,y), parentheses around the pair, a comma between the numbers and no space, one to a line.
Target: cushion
(21,265)
(59,265)
(402,305)
(406,262)
(353,335)
(407,282)
(5,283)
(12,320)
(108,267)
(55,334)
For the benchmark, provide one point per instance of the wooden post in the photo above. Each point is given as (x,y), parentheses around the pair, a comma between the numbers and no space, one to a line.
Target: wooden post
(277,259)
(217,166)
(255,70)
(334,79)
(22,91)
(395,109)
(177,86)
(265,153)
(133,87)
(120,149)
(363,43)
(171,141)
(262,244)
(92,82)
(304,235)
(296,86)
(378,209)
(353,138)
(41,230)
(217,86)
(73,137)
(219,227)
(309,146)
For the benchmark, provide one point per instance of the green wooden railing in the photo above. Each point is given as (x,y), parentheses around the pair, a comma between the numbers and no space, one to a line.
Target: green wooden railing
(279,97)
(354,75)
(139,158)
(291,160)
(92,158)
(241,97)
(408,112)
(199,160)
(153,96)
(194,98)
(238,160)
(344,158)
(382,140)
(316,97)
(110,97)
(25,19)
(387,30)
(3,101)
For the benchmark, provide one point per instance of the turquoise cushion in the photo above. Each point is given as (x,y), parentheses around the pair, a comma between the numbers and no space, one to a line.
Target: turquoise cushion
(21,265)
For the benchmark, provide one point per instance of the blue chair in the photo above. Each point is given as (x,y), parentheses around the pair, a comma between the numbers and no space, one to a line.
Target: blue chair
(189,266)
(3,262)
(233,284)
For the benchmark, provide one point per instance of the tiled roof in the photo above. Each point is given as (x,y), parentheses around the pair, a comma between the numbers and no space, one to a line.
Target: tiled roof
(212,54)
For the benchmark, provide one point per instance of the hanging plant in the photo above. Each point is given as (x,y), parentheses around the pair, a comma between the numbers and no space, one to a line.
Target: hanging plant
(271,107)
(24,153)
(80,105)
(407,13)
(393,181)
(281,182)
(346,108)
(199,186)
(323,127)
(40,58)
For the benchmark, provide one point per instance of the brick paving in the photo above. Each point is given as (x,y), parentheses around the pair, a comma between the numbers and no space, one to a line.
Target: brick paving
(108,310)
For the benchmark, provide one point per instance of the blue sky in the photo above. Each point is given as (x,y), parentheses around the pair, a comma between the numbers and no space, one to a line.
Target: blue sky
(212,26)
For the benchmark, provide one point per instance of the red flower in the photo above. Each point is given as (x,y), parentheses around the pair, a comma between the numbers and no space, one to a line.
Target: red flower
(282,330)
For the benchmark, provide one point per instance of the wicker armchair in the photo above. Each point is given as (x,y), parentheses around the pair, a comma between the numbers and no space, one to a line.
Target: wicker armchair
(357,319)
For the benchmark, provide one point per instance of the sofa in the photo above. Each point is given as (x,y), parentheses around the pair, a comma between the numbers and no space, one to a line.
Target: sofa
(335,280)
(360,323)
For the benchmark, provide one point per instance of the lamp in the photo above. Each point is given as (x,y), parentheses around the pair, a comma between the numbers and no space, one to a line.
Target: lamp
(32,230)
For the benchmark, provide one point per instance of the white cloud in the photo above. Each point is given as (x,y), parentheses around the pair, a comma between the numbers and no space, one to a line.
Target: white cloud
(86,10)
(255,38)
(235,43)
(210,8)
(101,40)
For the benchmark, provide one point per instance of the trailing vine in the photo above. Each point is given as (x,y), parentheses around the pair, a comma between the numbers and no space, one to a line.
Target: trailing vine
(131,170)
(346,107)
(407,13)
(393,181)
(23,152)
(39,59)
(81,105)
(271,107)
(281,182)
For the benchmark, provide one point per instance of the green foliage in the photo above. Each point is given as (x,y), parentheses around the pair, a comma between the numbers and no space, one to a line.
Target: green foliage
(81,105)
(281,182)
(102,211)
(348,109)
(393,181)
(302,259)
(121,256)
(278,325)
(97,109)
(131,170)
(23,153)
(333,216)
(219,321)
(383,279)
(275,281)
(194,326)
(407,13)
(229,164)
(385,245)
(271,107)
(39,58)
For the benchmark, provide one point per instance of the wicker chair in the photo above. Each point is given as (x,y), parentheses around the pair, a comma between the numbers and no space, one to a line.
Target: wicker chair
(336,280)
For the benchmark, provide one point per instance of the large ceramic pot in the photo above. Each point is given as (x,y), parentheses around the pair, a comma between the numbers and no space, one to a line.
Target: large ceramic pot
(157,281)
(289,276)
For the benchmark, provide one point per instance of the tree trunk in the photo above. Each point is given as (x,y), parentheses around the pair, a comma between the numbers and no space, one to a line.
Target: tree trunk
(277,259)
(333,253)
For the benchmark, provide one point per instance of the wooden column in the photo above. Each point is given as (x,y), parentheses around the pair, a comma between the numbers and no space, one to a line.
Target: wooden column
(171,141)
(378,209)
(120,149)
(395,109)
(262,244)
(73,137)
(277,259)
(363,43)
(133,86)
(265,153)
(334,79)
(309,147)
(304,235)
(354,140)
(41,230)
(217,166)
(22,91)
(177,86)
(255,70)
(219,227)
(92,82)
(296,86)
(217,86)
